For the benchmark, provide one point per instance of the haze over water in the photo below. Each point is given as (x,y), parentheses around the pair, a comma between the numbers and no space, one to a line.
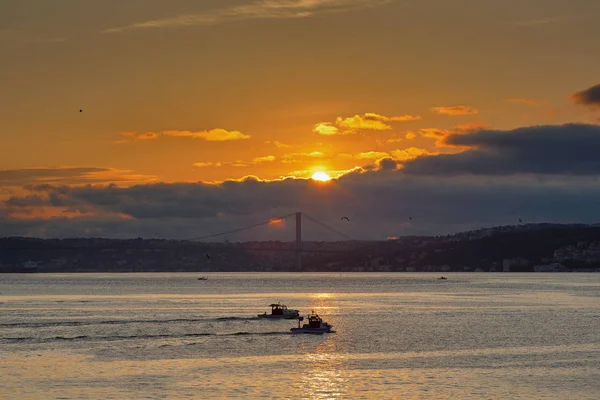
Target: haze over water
(398,336)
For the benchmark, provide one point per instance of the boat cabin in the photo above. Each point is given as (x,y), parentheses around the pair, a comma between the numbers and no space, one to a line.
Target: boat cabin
(278,309)
(314,321)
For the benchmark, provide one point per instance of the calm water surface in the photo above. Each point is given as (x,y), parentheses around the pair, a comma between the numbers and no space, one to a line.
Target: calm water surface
(399,336)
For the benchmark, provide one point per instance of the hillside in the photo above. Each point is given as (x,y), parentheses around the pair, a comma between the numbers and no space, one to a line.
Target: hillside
(511,248)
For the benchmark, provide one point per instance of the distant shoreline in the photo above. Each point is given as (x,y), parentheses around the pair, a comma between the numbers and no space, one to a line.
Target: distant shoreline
(524,248)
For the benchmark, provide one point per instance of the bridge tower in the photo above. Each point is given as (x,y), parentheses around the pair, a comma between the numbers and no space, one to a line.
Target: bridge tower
(298,241)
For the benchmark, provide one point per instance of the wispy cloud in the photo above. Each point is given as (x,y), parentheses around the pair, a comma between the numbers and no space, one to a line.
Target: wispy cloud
(356,123)
(259,9)
(410,153)
(434,133)
(140,136)
(372,121)
(68,175)
(213,135)
(258,160)
(202,164)
(455,110)
(326,129)
(470,126)
(371,155)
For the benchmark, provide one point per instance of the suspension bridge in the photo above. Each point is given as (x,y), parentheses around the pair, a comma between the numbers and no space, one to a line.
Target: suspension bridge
(22,248)
(298,242)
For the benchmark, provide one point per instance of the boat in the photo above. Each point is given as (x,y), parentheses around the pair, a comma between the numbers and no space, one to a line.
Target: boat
(280,311)
(315,325)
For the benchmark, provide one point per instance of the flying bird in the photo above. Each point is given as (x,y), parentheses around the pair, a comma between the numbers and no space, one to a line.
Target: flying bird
(520,220)
(207,256)
(346,218)
(80,110)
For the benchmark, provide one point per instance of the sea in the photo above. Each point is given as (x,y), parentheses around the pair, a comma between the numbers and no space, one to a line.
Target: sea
(397,336)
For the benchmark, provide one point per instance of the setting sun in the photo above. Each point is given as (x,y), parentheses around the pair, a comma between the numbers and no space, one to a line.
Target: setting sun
(321,176)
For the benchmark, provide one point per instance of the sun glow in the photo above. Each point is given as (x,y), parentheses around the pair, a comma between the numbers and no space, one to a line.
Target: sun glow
(321,176)
(277,223)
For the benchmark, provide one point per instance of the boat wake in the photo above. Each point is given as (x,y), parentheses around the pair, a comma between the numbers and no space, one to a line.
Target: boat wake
(122,322)
(133,337)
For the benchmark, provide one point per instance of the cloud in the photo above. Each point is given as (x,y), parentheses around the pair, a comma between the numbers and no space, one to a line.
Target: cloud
(371,155)
(141,136)
(434,133)
(357,123)
(455,110)
(382,199)
(202,164)
(410,135)
(372,121)
(259,9)
(396,155)
(213,135)
(410,153)
(258,160)
(470,126)
(570,149)
(72,175)
(325,128)
(386,163)
(590,96)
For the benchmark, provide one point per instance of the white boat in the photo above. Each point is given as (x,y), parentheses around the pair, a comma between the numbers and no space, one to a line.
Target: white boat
(280,311)
(315,325)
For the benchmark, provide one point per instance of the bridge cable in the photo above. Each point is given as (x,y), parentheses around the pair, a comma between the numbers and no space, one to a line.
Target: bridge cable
(328,227)
(243,229)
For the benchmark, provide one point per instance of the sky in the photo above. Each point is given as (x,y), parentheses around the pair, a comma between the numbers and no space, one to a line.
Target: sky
(180,118)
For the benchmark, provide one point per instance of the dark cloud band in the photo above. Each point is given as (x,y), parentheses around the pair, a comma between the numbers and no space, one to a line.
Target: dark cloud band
(590,96)
(571,149)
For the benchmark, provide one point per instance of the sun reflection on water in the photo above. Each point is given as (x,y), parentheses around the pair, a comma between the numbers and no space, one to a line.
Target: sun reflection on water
(323,374)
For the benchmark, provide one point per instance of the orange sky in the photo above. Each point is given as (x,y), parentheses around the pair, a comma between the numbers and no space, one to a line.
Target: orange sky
(156,96)
(188,91)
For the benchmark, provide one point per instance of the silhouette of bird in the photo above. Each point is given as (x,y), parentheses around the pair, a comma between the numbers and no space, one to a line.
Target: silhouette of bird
(80,110)
(346,218)
(410,218)
(520,220)
(207,256)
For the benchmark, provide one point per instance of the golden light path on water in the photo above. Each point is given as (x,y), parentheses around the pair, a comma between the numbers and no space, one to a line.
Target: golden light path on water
(323,377)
